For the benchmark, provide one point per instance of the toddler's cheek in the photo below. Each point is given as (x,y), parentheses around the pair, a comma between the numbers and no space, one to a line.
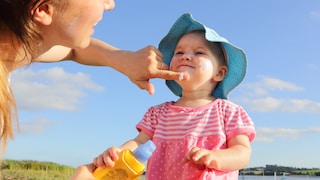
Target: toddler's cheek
(205,65)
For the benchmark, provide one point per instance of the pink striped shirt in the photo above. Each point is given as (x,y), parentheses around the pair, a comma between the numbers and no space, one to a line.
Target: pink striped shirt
(175,130)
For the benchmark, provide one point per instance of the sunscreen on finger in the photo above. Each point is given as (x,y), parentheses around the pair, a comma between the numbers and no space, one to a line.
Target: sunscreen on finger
(129,166)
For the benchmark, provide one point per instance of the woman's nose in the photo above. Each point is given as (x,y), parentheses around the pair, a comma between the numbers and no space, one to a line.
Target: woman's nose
(109,5)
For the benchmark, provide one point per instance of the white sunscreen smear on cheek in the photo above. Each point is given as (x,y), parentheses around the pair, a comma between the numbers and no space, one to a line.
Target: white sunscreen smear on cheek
(205,65)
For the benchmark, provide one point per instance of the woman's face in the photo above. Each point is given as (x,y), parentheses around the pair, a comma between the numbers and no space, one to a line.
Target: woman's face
(74,24)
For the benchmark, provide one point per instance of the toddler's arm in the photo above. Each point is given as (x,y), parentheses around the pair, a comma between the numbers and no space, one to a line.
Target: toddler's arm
(235,157)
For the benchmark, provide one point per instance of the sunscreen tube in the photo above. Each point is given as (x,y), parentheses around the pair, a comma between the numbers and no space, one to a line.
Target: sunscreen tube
(129,166)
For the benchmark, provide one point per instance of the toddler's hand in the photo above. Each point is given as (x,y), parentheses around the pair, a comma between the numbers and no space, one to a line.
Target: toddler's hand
(200,156)
(107,158)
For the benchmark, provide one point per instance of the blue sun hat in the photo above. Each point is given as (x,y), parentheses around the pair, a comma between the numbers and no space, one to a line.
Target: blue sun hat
(236,57)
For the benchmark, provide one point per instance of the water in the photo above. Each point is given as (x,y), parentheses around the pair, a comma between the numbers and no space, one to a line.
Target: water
(278,178)
(272,178)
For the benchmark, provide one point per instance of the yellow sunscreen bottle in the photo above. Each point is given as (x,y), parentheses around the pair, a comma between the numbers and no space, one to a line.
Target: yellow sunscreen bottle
(129,166)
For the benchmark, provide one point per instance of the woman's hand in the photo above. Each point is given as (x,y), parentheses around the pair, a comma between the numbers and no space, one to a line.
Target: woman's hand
(83,172)
(147,63)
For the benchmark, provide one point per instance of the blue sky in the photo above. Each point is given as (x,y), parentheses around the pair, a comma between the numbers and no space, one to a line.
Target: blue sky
(69,113)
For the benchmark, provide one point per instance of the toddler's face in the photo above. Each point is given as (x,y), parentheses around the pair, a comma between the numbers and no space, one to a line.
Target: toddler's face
(192,55)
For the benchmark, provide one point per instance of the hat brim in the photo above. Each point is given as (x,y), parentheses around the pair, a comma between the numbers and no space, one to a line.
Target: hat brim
(236,57)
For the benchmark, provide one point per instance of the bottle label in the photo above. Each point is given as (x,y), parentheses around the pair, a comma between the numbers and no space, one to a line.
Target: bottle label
(116,174)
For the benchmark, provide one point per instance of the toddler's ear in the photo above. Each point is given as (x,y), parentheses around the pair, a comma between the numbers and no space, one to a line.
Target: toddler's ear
(220,74)
(42,13)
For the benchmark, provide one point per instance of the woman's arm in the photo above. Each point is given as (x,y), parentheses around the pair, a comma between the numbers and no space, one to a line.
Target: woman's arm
(83,172)
(139,66)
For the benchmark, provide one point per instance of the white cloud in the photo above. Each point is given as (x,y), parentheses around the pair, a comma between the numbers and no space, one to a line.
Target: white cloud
(277,84)
(50,89)
(305,105)
(36,126)
(266,96)
(271,134)
(315,14)
(313,67)
(267,104)
(267,84)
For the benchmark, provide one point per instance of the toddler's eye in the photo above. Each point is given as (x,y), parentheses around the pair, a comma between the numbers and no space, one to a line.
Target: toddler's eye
(179,52)
(199,52)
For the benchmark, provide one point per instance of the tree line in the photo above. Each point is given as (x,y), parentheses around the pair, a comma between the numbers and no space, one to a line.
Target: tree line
(270,170)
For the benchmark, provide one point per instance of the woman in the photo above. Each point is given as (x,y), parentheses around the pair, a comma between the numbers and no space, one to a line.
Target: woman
(58,30)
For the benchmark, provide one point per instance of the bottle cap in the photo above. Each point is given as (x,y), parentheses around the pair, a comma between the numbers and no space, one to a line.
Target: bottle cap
(144,151)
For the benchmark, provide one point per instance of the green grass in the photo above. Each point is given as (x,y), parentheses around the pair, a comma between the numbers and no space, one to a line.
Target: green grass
(34,170)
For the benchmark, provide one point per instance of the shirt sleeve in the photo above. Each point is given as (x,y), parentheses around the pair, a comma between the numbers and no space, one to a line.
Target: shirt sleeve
(237,121)
(149,121)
